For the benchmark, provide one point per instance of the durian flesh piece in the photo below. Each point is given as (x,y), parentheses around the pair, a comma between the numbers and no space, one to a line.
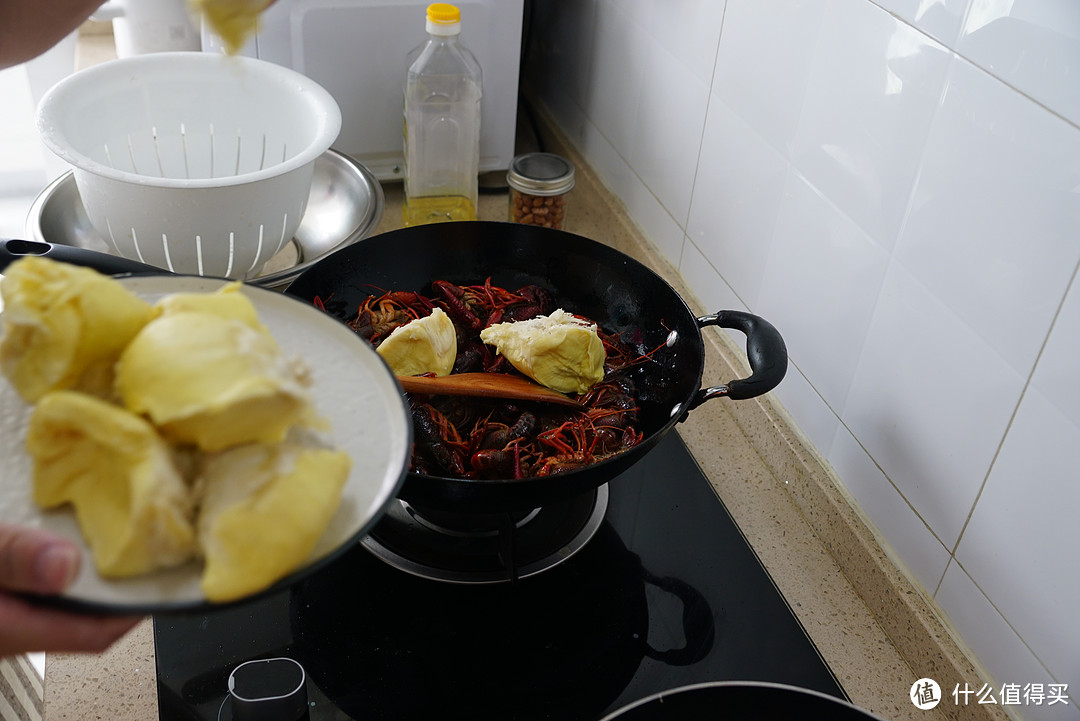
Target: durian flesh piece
(559,351)
(228,301)
(211,381)
(132,506)
(264,508)
(64,327)
(234,21)
(423,345)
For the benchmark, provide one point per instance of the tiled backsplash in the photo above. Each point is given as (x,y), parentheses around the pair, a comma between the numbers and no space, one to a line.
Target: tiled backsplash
(896,185)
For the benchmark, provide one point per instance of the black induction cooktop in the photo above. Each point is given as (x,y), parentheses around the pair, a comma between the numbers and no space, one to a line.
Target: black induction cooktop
(666,593)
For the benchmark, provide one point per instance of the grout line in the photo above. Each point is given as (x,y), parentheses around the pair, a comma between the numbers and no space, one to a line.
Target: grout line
(979,66)
(1008,623)
(701,141)
(1016,409)
(937,586)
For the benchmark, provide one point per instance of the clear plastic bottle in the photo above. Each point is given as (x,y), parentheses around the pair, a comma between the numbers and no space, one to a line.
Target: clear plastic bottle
(442,124)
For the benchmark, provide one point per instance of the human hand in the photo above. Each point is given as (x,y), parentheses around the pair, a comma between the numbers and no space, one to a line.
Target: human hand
(29,28)
(36,561)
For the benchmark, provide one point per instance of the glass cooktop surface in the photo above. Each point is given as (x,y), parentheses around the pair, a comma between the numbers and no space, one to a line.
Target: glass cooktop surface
(666,593)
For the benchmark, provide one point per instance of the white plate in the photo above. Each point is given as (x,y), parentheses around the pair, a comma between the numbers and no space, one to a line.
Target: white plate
(352,387)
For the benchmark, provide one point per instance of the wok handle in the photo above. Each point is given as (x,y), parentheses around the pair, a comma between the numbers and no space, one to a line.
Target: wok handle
(12,250)
(765,349)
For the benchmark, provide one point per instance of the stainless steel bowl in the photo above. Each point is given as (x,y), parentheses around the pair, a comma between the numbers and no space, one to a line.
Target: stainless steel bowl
(345,205)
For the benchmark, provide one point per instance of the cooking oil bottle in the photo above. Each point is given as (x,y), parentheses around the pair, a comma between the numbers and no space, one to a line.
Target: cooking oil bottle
(442,124)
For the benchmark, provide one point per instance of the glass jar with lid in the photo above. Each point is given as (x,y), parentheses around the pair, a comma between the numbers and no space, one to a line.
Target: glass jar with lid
(539,184)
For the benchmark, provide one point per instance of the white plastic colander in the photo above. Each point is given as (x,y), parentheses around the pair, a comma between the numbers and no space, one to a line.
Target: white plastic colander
(194,162)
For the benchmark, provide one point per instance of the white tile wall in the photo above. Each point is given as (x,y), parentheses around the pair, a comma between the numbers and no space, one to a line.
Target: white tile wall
(940,19)
(896,185)
(1032,45)
(761,68)
(921,553)
(1024,519)
(991,637)
(740,180)
(930,401)
(825,313)
(874,84)
(991,229)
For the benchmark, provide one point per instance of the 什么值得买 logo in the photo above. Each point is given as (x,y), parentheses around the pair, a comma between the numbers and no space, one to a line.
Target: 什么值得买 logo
(925,694)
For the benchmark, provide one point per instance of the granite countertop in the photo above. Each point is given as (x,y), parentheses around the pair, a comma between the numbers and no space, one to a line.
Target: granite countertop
(871,626)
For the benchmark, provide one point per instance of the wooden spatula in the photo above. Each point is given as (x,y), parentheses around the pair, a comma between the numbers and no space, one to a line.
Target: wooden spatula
(489,385)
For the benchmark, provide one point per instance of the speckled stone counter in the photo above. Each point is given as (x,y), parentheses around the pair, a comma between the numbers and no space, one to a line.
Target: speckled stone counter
(873,628)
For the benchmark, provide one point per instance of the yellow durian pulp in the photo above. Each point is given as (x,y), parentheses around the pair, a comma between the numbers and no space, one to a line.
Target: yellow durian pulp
(64,327)
(172,431)
(211,381)
(559,351)
(228,302)
(132,506)
(423,345)
(234,21)
(263,510)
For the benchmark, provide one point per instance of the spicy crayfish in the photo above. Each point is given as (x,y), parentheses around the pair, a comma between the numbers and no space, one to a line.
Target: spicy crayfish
(477,306)
(463,437)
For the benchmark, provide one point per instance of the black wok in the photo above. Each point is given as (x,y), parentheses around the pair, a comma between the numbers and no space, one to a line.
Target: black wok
(740,701)
(585,277)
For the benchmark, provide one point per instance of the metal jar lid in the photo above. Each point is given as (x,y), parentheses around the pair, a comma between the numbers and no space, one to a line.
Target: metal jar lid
(541,174)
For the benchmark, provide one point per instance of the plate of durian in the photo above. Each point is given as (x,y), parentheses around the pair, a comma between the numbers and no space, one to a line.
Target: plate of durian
(205,441)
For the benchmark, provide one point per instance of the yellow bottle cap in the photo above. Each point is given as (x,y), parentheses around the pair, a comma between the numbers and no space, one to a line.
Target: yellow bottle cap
(443,13)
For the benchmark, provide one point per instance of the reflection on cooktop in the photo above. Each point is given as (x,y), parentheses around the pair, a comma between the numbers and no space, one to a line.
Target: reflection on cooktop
(486,548)
(666,593)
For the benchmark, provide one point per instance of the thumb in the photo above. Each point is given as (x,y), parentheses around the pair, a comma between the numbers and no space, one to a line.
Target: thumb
(36,561)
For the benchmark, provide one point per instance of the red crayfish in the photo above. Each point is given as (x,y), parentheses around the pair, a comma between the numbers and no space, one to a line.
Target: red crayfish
(482,438)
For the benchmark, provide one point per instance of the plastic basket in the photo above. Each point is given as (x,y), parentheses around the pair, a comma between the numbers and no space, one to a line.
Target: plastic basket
(194,162)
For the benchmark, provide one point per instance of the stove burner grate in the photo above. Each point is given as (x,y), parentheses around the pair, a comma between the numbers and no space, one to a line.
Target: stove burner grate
(486,548)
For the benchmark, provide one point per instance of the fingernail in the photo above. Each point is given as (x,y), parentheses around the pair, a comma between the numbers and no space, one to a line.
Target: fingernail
(56,567)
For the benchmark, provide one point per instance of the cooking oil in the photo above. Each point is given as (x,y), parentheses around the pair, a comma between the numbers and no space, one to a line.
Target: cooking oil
(442,124)
(437,209)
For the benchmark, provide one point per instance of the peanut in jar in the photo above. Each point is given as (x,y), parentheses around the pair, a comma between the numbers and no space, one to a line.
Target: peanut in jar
(547,212)
(539,184)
